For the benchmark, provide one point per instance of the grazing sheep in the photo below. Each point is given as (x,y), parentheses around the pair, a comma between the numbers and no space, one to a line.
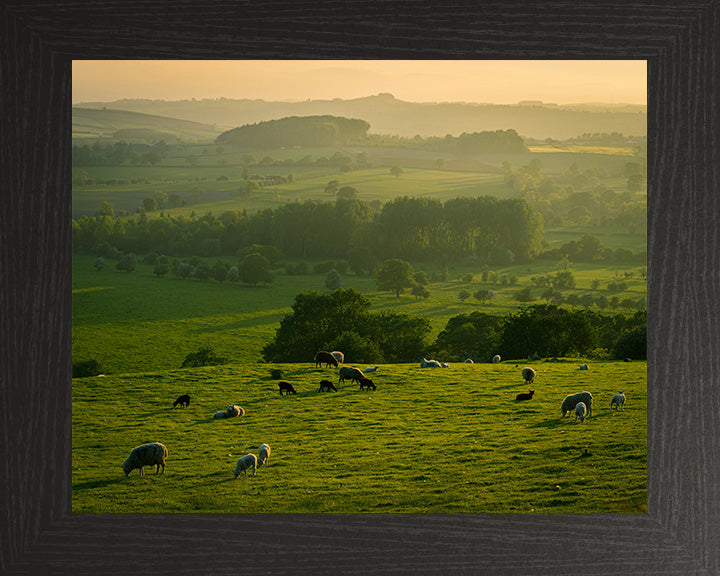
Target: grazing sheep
(527,396)
(425,363)
(469,361)
(349,373)
(583,367)
(325,358)
(528,375)
(580,411)
(247,461)
(371,369)
(571,401)
(339,356)
(263,455)
(287,387)
(151,454)
(618,400)
(496,359)
(326,385)
(183,400)
(367,383)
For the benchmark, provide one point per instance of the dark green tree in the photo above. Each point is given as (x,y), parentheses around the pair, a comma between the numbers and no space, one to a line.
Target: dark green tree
(395,275)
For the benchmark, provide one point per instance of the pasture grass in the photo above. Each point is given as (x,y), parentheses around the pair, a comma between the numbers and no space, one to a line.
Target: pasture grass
(427,440)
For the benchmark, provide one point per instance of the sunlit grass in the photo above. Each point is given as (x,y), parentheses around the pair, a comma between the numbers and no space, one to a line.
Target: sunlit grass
(427,440)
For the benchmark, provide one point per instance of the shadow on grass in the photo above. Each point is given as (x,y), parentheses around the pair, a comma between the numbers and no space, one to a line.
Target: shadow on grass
(97,483)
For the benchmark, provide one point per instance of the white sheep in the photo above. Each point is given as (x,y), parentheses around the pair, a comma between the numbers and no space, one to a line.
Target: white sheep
(349,373)
(618,400)
(371,369)
(469,361)
(580,411)
(263,455)
(444,364)
(231,411)
(496,359)
(528,375)
(339,356)
(247,461)
(222,414)
(583,367)
(151,454)
(425,363)
(572,400)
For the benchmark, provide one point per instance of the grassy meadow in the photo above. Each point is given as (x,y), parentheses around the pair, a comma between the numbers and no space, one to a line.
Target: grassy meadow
(427,440)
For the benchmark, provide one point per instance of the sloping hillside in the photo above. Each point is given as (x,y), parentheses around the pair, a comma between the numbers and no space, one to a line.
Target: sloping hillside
(388,115)
(114,125)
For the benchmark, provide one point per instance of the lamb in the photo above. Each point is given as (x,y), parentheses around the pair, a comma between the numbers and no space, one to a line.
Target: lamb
(496,359)
(425,363)
(572,400)
(339,356)
(287,387)
(580,411)
(583,367)
(326,385)
(350,373)
(326,358)
(371,369)
(527,396)
(263,455)
(367,383)
(247,461)
(528,375)
(618,400)
(151,454)
(183,400)
(469,361)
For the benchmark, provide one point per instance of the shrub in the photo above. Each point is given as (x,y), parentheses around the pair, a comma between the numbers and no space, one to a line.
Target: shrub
(85,368)
(203,357)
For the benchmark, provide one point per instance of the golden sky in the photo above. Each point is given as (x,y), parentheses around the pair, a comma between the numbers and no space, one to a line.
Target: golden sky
(488,81)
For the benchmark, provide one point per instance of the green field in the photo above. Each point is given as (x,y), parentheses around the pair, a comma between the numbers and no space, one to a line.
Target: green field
(427,440)
(136,322)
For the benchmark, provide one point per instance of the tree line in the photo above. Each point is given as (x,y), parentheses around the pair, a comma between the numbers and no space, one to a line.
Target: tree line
(411,228)
(341,321)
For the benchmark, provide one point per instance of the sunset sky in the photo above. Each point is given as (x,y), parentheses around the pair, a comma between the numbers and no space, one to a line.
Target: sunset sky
(489,81)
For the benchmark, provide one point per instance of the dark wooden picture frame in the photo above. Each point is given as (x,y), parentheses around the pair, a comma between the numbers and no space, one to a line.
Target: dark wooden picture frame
(680,533)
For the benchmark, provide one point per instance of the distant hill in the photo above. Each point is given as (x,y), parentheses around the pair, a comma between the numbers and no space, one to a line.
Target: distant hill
(297,131)
(112,125)
(388,115)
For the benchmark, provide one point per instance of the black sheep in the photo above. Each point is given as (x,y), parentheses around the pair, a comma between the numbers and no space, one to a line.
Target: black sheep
(525,396)
(287,387)
(327,385)
(183,400)
(325,358)
(367,383)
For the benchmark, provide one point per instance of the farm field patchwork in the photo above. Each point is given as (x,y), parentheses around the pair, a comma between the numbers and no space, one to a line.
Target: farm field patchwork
(427,440)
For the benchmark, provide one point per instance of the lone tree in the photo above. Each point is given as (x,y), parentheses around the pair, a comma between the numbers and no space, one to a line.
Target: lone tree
(396,171)
(255,268)
(395,275)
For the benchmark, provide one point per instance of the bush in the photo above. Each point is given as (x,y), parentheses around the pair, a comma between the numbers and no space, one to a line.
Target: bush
(85,368)
(632,344)
(203,357)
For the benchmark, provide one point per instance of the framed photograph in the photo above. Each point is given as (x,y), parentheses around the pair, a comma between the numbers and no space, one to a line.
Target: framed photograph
(76,499)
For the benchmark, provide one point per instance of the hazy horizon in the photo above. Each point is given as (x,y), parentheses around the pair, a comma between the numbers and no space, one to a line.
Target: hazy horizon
(472,81)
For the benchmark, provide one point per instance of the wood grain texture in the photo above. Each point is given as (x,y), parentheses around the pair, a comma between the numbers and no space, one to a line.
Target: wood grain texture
(680,534)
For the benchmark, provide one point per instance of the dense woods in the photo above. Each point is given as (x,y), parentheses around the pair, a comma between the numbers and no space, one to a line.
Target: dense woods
(411,228)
